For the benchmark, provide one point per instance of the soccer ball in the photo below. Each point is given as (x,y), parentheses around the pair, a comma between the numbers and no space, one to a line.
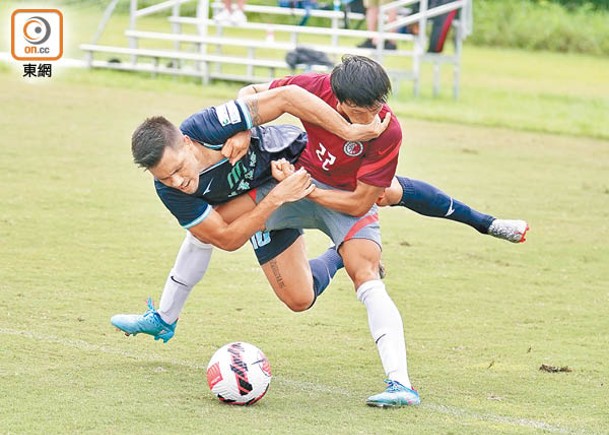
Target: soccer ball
(239,374)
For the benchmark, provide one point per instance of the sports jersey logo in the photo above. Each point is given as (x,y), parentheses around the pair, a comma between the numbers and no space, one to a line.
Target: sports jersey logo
(208,188)
(353,149)
(228,113)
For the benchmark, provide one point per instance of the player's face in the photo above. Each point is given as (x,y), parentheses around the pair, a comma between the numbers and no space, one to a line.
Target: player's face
(359,114)
(179,167)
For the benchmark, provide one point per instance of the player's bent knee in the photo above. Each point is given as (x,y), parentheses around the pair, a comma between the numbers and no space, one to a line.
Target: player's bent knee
(298,307)
(300,304)
(362,276)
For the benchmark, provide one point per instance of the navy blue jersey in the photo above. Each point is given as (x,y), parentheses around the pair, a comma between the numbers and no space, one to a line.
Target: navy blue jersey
(211,127)
(221,182)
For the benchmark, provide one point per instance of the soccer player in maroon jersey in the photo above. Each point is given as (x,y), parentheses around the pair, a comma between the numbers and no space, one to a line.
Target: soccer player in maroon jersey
(351,176)
(348,82)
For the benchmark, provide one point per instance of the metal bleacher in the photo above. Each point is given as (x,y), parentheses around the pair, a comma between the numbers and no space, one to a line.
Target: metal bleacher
(255,51)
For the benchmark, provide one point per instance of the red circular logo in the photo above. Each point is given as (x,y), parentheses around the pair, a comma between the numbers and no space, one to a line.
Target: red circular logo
(353,149)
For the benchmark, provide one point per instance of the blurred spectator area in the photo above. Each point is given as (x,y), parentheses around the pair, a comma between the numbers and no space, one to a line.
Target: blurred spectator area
(184,39)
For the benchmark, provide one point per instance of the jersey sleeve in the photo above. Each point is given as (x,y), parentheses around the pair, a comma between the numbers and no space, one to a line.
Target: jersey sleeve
(214,125)
(380,164)
(284,81)
(188,210)
(311,81)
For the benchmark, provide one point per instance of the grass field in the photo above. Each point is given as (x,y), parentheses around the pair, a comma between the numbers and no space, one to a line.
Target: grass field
(83,236)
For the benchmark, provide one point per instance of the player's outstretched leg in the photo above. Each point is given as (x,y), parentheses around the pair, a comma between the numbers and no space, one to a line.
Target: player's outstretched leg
(428,200)
(148,323)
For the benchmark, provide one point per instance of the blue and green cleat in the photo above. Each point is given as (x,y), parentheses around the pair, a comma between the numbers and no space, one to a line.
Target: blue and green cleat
(148,323)
(396,395)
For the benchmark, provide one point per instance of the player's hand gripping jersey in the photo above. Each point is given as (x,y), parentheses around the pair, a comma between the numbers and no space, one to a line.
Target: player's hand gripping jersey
(219,183)
(332,160)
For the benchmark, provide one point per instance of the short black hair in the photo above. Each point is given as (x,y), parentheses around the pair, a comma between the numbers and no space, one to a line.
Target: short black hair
(361,81)
(150,138)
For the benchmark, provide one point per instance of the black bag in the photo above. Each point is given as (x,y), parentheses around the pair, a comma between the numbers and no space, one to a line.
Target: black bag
(307,56)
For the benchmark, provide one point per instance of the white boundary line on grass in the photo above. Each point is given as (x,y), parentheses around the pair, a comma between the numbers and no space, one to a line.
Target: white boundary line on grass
(306,386)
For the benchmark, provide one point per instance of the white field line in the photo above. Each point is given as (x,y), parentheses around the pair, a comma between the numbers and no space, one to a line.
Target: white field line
(299,385)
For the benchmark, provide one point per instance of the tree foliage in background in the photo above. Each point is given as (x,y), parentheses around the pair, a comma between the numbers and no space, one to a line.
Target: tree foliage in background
(576,26)
(567,4)
(574,4)
(542,25)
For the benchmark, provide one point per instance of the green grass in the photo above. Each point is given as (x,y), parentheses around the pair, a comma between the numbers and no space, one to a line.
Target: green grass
(544,92)
(84,237)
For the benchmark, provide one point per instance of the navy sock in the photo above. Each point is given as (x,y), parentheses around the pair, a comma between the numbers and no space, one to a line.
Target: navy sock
(324,268)
(430,201)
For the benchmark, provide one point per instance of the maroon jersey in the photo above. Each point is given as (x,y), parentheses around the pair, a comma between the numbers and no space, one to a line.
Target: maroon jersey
(339,163)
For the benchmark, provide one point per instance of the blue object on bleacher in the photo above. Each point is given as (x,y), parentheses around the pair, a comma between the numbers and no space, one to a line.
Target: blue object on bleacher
(307,5)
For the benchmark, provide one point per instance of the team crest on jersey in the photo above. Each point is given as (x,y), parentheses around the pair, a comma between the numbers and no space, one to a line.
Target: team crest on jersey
(353,149)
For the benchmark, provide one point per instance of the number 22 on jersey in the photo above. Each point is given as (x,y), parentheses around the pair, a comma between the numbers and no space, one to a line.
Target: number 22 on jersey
(325,156)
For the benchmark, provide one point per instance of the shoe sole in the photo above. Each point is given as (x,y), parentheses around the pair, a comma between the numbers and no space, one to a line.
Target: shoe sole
(164,337)
(387,405)
(523,237)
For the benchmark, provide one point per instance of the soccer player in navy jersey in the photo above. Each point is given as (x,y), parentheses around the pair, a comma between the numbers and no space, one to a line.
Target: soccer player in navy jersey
(180,161)
(191,175)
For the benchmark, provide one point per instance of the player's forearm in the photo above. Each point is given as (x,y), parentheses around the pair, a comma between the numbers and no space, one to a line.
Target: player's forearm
(268,105)
(238,232)
(252,89)
(351,203)
(310,108)
(307,107)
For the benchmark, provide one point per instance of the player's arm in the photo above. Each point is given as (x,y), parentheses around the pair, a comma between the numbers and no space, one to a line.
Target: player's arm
(236,146)
(254,88)
(267,104)
(356,203)
(231,236)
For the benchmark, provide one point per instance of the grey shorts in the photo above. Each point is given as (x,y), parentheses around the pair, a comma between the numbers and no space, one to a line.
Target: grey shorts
(338,226)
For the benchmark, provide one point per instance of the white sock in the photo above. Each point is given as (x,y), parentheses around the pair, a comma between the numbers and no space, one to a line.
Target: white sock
(189,268)
(387,329)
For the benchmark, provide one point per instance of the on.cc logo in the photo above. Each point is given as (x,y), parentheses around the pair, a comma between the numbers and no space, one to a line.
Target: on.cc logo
(37,34)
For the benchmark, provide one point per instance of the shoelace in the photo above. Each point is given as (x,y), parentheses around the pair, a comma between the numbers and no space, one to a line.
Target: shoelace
(149,316)
(153,317)
(151,304)
(395,386)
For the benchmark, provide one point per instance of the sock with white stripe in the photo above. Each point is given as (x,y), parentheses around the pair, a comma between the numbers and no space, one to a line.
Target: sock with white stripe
(387,329)
(430,201)
(189,268)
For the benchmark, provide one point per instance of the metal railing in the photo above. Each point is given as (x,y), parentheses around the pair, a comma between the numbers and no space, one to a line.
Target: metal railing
(209,35)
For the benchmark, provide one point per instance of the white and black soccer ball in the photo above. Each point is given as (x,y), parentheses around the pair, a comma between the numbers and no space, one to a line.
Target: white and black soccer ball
(239,374)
